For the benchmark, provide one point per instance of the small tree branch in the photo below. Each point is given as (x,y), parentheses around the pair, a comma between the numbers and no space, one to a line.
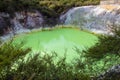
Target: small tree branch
(32,76)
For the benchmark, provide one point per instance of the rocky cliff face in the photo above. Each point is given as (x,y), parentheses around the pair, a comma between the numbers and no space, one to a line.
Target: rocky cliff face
(93,18)
(20,20)
(99,19)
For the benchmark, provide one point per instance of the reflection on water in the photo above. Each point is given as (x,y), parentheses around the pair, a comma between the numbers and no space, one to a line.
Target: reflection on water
(60,45)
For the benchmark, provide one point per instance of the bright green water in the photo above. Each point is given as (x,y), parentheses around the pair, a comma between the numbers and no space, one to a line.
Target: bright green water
(58,40)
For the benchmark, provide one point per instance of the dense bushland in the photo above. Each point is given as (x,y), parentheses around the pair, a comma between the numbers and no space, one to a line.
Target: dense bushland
(9,54)
(49,8)
(13,66)
(46,67)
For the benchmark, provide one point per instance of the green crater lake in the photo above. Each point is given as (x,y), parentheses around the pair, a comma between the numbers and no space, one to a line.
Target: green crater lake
(61,40)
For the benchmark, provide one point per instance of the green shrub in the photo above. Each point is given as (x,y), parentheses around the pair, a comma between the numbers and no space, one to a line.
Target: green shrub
(45,68)
(106,45)
(9,54)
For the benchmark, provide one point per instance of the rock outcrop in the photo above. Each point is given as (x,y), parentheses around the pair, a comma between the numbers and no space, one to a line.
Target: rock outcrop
(2,25)
(20,20)
(111,74)
(94,18)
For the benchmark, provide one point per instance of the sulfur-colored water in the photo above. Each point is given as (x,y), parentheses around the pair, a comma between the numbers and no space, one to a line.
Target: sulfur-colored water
(58,40)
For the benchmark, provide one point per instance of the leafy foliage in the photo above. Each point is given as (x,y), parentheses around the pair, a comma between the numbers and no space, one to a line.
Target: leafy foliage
(9,54)
(108,44)
(44,68)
